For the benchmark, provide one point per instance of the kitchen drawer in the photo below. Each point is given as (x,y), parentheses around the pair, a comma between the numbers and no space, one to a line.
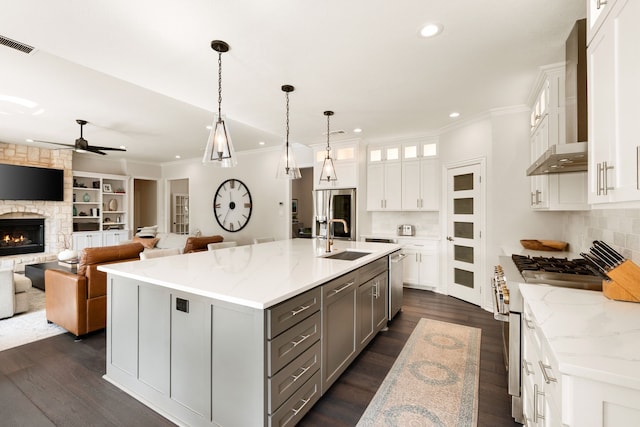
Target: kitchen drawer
(338,286)
(367,272)
(298,405)
(292,376)
(291,343)
(286,314)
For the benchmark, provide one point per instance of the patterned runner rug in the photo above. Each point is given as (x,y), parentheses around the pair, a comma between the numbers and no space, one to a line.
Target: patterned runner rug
(27,327)
(434,381)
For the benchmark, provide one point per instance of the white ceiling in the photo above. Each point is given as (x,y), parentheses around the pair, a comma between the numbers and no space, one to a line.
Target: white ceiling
(143,74)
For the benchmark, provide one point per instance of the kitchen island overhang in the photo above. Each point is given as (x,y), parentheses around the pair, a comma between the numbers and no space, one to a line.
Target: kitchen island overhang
(188,335)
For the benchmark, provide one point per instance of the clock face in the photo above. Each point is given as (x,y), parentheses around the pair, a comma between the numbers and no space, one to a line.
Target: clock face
(232,205)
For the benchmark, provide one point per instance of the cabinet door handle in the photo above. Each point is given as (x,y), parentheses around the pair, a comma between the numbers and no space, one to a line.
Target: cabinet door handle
(302,308)
(598,179)
(538,197)
(605,178)
(547,378)
(301,340)
(337,291)
(375,290)
(533,195)
(536,393)
(600,3)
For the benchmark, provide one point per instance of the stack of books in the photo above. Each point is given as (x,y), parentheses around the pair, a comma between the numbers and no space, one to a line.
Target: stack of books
(70,263)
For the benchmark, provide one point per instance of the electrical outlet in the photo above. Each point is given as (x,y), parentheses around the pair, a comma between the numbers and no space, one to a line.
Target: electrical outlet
(182,305)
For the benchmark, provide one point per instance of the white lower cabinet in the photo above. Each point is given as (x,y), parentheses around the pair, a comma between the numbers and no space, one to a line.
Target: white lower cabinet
(112,238)
(420,266)
(372,301)
(86,240)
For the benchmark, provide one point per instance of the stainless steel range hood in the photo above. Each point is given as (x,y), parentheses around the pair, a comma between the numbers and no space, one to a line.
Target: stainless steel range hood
(571,156)
(561,158)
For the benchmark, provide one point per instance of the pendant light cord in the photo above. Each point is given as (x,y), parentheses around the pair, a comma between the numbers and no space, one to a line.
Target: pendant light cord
(328,146)
(219,86)
(287,140)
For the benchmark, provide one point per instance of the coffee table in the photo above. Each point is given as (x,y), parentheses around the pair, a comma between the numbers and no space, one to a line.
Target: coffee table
(35,272)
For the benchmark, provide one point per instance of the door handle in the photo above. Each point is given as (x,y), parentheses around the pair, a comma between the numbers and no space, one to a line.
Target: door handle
(449,238)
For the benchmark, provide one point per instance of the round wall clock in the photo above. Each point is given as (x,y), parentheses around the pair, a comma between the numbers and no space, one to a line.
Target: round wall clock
(232,205)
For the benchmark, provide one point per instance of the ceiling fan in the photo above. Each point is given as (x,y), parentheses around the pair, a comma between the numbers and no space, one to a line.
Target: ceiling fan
(82,145)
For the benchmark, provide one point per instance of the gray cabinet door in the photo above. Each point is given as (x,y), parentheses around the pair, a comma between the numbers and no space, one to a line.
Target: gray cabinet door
(380,298)
(339,327)
(365,312)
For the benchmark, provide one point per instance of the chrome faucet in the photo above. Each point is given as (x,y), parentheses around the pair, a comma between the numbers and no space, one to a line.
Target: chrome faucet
(329,234)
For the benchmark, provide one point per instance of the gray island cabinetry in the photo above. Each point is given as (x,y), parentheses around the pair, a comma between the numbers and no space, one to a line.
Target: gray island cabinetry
(246,336)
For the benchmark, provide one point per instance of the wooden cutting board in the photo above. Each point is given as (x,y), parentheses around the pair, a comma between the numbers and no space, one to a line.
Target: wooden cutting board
(544,245)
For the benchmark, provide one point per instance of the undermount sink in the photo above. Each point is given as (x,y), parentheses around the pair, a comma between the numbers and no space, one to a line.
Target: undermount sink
(347,255)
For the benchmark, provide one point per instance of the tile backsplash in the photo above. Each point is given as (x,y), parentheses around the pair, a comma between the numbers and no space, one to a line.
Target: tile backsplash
(427,223)
(619,228)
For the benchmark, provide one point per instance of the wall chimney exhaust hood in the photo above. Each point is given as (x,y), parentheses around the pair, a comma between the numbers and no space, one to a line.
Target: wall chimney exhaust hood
(571,156)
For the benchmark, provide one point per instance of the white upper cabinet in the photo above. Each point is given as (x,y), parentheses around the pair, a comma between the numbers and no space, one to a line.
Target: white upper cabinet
(384,178)
(597,11)
(345,161)
(614,90)
(421,176)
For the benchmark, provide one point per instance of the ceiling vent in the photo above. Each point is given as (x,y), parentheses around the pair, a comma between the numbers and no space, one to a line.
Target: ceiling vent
(335,132)
(25,48)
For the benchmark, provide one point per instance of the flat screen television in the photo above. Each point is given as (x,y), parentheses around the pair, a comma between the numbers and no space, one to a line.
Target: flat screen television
(31,183)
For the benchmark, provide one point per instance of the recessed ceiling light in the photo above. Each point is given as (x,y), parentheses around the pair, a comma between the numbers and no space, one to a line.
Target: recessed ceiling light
(124,147)
(178,156)
(29,140)
(432,29)
(209,127)
(261,142)
(357,130)
(454,115)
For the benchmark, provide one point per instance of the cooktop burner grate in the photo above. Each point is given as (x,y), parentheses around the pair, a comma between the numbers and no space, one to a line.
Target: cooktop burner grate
(577,266)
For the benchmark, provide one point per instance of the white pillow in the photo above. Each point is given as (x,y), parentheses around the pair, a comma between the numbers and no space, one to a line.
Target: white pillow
(149,231)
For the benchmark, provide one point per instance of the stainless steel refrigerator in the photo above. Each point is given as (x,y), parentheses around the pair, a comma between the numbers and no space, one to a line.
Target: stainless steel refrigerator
(335,204)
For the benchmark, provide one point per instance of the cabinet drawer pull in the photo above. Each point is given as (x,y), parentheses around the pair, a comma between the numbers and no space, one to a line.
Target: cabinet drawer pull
(304,337)
(375,292)
(337,291)
(526,365)
(547,378)
(536,393)
(304,371)
(304,403)
(302,308)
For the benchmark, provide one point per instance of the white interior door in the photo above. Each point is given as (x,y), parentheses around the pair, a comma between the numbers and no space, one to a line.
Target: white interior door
(465,223)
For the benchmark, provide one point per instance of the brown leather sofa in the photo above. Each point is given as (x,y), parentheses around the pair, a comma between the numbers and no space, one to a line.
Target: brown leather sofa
(197,244)
(78,302)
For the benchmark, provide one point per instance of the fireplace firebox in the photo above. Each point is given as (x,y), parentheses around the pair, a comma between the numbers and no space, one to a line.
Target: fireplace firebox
(21,236)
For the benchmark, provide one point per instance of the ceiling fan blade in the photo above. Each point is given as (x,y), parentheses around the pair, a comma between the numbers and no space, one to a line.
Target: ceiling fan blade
(105,148)
(95,150)
(56,143)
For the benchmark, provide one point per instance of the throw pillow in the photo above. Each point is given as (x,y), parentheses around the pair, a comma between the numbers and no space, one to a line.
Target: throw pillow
(147,242)
(150,231)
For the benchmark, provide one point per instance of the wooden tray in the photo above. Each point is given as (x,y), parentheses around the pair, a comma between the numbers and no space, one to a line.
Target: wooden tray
(544,245)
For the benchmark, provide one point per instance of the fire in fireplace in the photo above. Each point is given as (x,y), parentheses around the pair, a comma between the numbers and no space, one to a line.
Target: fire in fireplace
(21,236)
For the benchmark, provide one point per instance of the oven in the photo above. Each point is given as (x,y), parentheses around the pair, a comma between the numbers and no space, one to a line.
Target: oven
(507,302)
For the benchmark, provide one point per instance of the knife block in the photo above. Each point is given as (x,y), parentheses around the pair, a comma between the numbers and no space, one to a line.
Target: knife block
(624,284)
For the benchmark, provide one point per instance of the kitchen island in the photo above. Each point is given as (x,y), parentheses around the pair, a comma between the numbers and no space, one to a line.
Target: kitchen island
(244,336)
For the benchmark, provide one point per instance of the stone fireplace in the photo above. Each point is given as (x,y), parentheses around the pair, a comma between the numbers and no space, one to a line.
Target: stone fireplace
(57,216)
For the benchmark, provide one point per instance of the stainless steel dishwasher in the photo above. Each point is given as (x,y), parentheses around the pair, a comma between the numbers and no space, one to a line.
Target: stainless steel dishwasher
(395,282)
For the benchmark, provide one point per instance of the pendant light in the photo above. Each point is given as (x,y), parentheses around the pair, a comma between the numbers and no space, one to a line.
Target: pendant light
(219,150)
(287,166)
(328,173)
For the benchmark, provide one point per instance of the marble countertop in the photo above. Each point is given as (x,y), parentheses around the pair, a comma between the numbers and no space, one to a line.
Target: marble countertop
(589,335)
(257,276)
(396,237)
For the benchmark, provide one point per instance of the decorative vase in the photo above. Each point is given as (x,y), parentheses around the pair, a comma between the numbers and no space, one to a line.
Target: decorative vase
(86,197)
(113,205)
(75,211)
(67,254)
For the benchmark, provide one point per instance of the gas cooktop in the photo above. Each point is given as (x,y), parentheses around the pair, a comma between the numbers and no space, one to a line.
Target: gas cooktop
(573,273)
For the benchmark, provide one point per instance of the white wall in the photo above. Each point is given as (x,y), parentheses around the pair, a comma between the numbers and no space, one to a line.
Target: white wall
(257,170)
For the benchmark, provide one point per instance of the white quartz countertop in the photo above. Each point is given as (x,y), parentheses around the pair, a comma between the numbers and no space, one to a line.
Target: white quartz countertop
(589,335)
(257,276)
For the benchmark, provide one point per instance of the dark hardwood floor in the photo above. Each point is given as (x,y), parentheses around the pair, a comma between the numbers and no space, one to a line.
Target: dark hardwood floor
(58,382)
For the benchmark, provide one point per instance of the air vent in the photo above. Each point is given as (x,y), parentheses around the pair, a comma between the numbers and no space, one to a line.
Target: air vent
(335,132)
(16,45)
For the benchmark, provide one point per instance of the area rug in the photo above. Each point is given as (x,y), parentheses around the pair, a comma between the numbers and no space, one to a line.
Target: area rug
(433,382)
(27,327)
